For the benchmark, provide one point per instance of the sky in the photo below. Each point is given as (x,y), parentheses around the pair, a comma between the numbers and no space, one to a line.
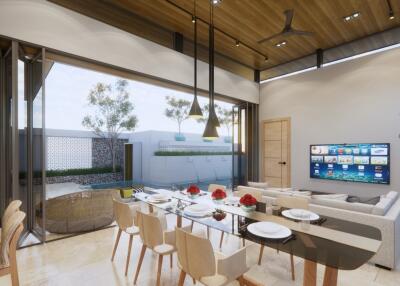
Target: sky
(67,88)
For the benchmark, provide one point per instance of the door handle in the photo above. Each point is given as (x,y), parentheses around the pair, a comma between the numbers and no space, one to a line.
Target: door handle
(282,163)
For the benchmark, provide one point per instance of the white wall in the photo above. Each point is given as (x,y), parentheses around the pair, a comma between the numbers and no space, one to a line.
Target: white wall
(52,26)
(353,102)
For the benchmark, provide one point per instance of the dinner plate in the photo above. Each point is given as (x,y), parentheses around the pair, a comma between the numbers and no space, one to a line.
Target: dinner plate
(269,230)
(158,198)
(232,200)
(198,210)
(299,214)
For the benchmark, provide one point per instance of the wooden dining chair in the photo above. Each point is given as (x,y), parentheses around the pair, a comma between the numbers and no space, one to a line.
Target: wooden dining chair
(197,259)
(125,216)
(290,203)
(11,209)
(212,188)
(11,231)
(155,236)
(241,191)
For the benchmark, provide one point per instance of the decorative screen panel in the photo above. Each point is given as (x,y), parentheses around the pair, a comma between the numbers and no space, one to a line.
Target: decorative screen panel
(69,153)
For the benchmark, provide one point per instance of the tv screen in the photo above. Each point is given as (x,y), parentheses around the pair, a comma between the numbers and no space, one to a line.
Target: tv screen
(366,163)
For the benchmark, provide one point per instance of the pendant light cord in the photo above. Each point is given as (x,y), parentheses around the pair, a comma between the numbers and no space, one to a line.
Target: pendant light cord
(211,57)
(195,50)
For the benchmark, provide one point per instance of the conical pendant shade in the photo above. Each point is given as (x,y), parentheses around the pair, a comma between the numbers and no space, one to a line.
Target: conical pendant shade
(195,110)
(210,133)
(213,116)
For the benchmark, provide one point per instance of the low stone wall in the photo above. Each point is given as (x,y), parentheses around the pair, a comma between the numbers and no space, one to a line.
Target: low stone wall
(87,179)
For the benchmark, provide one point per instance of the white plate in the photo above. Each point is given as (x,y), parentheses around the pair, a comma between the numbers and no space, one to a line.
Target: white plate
(232,200)
(269,230)
(158,198)
(198,210)
(299,214)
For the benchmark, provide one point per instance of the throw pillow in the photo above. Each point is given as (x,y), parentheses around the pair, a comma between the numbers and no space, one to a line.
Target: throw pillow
(338,197)
(260,185)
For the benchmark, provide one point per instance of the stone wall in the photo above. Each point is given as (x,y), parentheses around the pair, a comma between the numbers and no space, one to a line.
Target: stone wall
(101,155)
(87,179)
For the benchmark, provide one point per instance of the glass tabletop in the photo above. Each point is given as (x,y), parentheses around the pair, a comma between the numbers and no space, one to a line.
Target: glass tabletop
(329,241)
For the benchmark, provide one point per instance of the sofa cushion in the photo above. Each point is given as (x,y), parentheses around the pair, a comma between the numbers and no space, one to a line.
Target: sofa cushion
(386,201)
(338,197)
(357,207)
(261,185)
(363,200)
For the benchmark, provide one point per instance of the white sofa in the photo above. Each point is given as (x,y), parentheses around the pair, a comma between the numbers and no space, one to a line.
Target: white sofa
(384,216)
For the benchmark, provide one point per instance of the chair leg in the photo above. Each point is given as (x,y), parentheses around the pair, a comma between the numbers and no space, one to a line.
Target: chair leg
(160,261)
(14,272)
(171,259)
(129,254)
(139,263)
(194,281)
(208,232)
(191,226)
(261,254)
(182,277)
(222,239)
(292,266)
(116,244)
(241,281)
(243,242)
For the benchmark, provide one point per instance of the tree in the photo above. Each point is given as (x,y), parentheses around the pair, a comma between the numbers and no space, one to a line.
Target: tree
(111,115)
(224,116)
(178,110)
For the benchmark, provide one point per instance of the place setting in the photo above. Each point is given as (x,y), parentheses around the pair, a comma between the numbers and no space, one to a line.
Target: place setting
(270,231)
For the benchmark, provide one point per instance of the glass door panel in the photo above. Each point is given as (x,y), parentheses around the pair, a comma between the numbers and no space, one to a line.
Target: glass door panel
(37,166)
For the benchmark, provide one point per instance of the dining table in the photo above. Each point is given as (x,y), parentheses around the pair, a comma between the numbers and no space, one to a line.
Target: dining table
(336,244)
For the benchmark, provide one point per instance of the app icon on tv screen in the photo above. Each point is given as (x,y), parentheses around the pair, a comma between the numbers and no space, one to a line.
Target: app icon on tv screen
(366,163)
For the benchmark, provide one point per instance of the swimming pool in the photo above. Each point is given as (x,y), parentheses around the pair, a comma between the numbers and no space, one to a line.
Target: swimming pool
(127,184)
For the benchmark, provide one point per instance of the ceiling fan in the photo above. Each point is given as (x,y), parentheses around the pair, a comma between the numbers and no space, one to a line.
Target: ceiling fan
(287,29)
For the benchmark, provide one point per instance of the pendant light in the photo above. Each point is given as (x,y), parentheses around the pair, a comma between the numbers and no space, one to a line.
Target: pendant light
(210,131)
(195,111)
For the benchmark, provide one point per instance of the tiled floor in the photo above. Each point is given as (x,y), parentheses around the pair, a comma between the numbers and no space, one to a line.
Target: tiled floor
(85,260)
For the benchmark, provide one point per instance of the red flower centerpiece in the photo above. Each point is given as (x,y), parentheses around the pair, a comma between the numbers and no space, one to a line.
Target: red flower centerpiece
(218,196)
(248,203)
(193,191)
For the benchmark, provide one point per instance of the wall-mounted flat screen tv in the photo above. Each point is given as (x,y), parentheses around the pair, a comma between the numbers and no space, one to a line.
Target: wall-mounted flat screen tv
(366,163)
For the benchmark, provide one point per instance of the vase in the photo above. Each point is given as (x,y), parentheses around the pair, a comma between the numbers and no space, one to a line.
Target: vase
(218,201)
(193,196)
(248,208)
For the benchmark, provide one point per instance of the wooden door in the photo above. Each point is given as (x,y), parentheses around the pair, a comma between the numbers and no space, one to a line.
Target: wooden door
(276,152)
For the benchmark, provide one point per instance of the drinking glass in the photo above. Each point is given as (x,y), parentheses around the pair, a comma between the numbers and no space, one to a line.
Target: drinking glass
(305,222)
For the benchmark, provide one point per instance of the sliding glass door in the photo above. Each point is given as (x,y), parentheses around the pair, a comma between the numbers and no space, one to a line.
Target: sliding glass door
(22,137)
(245,158)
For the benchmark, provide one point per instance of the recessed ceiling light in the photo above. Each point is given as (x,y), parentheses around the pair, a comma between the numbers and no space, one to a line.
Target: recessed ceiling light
(281,44)
(216,2)
(237,44)
(266,59)
(193,19)
(391,15)
(353,16)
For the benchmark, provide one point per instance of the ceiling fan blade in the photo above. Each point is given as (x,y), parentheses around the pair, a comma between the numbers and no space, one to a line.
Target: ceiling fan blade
(289,17)
(300,33)
(269,38)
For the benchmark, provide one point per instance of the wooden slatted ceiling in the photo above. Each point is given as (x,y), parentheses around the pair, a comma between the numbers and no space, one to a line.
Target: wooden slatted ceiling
(249,21)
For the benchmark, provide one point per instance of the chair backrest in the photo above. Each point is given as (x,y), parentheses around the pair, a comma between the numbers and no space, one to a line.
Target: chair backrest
(10,232)
(292,202)
(242,190)
(195,254)
(151,229)
(125,214)
(11,208)
(213,187)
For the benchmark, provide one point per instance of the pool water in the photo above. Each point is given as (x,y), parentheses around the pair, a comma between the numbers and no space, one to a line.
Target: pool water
(127,184)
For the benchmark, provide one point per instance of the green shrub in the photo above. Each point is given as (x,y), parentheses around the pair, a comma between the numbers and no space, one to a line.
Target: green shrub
(82,171)
(190,153)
